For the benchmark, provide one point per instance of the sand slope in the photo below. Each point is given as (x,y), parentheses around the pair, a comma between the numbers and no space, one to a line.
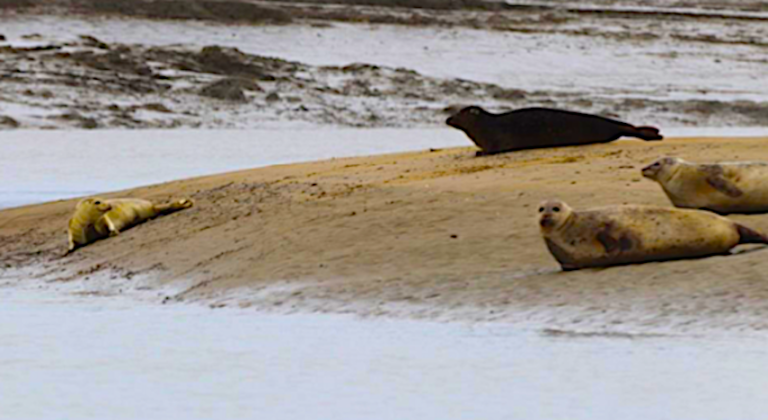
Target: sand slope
(436,234)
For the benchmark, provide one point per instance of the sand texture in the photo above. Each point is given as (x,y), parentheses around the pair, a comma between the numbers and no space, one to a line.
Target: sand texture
(436,234)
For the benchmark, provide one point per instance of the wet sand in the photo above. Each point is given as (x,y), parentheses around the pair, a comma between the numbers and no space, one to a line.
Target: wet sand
(435,234)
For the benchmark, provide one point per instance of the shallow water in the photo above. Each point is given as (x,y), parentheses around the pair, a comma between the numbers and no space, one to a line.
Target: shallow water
(116,358)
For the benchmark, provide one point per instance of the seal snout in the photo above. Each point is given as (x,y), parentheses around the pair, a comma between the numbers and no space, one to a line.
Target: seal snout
(546,221)
(466,117)
(648,171)
(552,213)
(653,170)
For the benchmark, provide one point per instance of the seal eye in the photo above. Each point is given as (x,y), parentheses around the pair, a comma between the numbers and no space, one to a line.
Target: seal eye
(555,209)
(97,202)
(541,209)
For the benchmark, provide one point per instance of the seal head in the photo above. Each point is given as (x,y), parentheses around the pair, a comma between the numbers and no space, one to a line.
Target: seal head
(662,169)
(85,225)
(94,205)
(466,118)
(553,215)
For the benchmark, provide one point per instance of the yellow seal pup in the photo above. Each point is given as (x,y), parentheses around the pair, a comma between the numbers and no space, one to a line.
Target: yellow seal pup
(96,218)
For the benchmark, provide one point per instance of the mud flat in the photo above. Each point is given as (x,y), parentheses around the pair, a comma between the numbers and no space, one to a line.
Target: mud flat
(170,64)
(436,234)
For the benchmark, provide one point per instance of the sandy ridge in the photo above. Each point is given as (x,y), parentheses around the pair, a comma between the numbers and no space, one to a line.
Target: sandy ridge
(434,234)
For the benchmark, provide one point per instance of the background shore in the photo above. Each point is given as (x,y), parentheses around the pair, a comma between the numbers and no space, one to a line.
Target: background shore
(229,64)
(436,234)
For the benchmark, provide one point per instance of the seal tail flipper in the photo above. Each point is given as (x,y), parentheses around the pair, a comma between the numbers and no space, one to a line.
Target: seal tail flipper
(647,133)
(750,236)
(174,206)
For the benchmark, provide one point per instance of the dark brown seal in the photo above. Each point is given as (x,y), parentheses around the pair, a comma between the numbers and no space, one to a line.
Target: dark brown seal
(531,128)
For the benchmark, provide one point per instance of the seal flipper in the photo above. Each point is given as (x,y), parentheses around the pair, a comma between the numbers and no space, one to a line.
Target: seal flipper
(561,255)
(646,133)
(750,236)
(174,206)
(724,186)
(613,241)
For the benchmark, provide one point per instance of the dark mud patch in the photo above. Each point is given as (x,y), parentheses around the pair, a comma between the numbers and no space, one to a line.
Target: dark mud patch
(219,11)
(755,113)
(419,4)
(222,61)
(7,49)
(156,107)
(78,120)
(569,334)
(117,60)
(714,39)
(229,89)
(16,4)
(8,122)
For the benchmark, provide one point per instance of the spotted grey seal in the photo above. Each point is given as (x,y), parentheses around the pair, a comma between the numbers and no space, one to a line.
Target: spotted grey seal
(632,234)
(727,187)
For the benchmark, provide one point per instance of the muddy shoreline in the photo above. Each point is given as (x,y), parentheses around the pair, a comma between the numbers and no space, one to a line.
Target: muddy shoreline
(76,80)
(471,13)
(88,83)
(437,235)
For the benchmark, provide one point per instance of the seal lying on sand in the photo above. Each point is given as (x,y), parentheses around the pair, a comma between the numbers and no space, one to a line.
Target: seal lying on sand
(531,128)
(632,234)
(729,187)
(96,218)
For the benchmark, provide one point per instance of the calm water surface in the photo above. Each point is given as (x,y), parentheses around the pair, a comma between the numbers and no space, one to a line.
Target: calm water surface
(96,358)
